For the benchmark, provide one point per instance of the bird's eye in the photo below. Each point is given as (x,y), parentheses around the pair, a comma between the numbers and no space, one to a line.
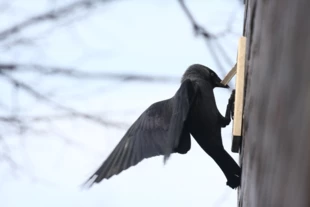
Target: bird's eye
(212,74)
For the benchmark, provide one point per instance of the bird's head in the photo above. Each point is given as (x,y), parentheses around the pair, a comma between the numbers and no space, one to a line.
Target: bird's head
(198,72)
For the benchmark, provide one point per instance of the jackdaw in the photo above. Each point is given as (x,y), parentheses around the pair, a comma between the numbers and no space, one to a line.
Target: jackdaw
(165,127)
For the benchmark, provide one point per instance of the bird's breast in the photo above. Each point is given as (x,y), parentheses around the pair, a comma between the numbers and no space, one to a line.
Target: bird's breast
(203,116)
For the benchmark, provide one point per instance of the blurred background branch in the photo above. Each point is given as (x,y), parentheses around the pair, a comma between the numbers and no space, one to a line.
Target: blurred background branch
(52,15)
(219,54)
(83,74)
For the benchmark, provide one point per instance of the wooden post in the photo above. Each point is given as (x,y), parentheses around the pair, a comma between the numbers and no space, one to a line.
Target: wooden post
(275,152)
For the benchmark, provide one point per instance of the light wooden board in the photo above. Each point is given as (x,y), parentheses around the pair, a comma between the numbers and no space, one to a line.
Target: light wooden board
(230,75)
(239,95)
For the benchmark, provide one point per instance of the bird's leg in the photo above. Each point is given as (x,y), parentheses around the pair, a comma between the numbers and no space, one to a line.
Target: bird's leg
(232,103)
(227,164)
(229,110)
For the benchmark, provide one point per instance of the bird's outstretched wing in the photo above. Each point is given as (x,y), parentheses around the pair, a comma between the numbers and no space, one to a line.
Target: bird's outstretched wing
(156,132)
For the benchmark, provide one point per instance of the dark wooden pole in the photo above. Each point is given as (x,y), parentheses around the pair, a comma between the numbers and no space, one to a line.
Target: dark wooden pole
(275,154)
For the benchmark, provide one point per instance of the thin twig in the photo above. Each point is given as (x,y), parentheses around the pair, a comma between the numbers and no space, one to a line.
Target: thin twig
(73,73)
(56,105)
(199,30)
(210,39)
(50,15)
(47,118)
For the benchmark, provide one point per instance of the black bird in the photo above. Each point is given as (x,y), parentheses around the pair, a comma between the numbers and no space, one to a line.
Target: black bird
(165,128)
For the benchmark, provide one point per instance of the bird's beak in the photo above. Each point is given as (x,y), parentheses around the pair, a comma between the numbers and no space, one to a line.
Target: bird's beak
(221,85)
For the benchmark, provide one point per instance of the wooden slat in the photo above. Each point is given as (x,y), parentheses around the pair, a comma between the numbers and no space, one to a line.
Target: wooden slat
(230,75)
(239,95)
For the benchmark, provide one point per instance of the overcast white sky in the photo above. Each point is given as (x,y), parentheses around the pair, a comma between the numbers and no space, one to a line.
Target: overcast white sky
(133,36)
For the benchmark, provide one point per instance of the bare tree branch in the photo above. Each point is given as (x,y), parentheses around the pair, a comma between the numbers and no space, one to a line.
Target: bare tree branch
(5,154)
(56,105)
(210,39)
(79,74)
(49,118)
(50,15)
(199,30)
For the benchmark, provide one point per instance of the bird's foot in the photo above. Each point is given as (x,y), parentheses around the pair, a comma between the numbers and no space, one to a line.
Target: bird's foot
(234,181)
(232,103)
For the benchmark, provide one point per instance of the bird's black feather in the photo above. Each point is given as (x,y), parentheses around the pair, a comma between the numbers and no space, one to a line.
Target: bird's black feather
(156,132)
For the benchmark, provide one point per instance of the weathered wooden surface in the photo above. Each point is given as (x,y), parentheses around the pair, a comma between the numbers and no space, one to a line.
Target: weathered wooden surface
(239,95)
(230,75)
(275,153)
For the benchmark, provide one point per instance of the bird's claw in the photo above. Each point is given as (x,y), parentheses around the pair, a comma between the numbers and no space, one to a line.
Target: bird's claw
(232,96)
(234,182)
(231,103)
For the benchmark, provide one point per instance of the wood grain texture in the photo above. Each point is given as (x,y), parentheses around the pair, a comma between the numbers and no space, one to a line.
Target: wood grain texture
(230,75)
(275,152)
(238,111)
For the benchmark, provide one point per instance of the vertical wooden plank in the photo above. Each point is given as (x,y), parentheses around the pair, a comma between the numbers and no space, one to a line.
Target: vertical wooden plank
(239,96)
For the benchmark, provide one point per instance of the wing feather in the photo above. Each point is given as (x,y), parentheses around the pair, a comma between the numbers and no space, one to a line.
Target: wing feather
(156,132)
